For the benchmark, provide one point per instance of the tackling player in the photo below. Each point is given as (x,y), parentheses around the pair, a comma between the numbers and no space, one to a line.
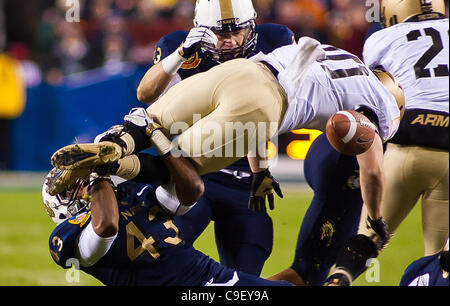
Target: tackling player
(414,48)
(295,86)
(223,30)
(126,236)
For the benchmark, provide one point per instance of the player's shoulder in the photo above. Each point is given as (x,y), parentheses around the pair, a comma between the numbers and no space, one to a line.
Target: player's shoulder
(272,36)
(382,37)
(63,238)
(271,28)
(174,38)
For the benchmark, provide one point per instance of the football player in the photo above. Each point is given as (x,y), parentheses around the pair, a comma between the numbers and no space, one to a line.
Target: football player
(125,235)
(414,48)
(431,270)
(223,30)
(333,216)
(294,86)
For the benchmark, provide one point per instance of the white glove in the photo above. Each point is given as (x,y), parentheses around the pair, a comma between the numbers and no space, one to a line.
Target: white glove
(138,116)
(195,38)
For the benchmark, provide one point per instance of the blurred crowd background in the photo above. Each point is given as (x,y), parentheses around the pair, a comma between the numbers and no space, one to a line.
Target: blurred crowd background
(112,31)
(45,42)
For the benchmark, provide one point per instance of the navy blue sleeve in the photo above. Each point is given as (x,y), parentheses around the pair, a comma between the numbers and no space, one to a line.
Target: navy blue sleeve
(64,237)
(272,36)
(167,45)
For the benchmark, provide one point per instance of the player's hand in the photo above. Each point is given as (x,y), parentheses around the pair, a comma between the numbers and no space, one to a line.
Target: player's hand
(381,229)
(195,38)
(263,184)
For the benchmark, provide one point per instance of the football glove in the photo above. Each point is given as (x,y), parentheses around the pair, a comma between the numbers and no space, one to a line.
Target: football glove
(195,38)
(263,184)
(381,232)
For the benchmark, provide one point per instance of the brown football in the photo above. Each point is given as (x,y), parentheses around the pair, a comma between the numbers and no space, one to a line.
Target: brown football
(350,132)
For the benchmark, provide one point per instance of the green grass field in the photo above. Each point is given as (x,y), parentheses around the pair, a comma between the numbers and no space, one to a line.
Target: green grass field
(25,227)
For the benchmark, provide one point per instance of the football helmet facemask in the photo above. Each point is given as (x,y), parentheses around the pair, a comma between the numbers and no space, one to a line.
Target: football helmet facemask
(227,16)
(66,204)
(396,11)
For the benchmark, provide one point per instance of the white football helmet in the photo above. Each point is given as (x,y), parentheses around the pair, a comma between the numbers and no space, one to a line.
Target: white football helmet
(65,204)
(225,16)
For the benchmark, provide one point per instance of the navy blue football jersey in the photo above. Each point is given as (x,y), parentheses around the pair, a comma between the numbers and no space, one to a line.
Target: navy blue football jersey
(148,249)
(426,271)
(270,37)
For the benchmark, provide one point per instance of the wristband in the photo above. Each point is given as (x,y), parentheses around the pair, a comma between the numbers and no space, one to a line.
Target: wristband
(172,63)
(95,179)
(162,144)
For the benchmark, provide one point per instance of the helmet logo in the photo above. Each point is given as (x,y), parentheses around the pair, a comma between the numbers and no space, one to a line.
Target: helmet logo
(50,212)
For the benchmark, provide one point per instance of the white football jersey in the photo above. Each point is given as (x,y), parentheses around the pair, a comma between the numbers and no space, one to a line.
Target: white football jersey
(338,81)
(417,55)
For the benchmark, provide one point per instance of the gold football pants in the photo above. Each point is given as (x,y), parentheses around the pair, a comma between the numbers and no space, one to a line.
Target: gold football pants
(414,173)
(219,114)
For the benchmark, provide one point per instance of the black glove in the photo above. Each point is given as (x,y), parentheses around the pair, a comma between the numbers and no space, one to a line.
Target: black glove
(381,230)
(263,184)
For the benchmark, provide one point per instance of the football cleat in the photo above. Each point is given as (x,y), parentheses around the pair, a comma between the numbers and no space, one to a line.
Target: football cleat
(86,155)
(58,179)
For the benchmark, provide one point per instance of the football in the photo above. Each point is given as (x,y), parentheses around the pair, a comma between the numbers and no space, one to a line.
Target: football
(350,132)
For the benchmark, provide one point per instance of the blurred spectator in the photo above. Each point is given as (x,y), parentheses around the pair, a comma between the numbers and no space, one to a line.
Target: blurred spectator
(304,17)
(112,31)
(2,28)
(348,25)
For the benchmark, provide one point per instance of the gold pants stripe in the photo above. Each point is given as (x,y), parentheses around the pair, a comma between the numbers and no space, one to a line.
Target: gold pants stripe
(205,108)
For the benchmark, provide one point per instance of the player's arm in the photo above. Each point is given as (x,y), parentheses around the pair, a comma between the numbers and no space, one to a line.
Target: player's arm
(372,182)
(186,186)
(188,183)
(263,183)
(372,177)
(158,77)
(155,81)
(104,209)
(97,237)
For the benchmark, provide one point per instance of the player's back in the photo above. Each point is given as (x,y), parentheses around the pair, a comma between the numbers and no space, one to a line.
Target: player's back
(335,82)
(416,54)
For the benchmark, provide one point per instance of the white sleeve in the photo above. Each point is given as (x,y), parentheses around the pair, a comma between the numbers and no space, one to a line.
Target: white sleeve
(167,197)
(374,49)
(91,247)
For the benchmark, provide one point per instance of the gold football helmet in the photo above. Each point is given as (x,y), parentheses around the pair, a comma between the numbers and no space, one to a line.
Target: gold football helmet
(396,11)
(393,87)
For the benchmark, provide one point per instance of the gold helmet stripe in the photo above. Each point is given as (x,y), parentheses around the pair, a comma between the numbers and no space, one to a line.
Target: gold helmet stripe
(226,9)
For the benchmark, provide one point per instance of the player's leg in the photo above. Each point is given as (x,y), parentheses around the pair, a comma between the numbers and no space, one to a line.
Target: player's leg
(249,106)
(435,202)
(402,187)
(243,238)
(333,215)
(239,91)
(244,242)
